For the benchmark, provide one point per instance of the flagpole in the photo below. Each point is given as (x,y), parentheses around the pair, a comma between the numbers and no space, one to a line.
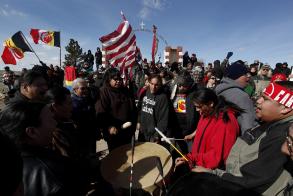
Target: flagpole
(30,46)
(123,16)
(60,50)
(154,45)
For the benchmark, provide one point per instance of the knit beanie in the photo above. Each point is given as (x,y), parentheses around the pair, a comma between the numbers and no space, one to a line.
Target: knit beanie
(236,70)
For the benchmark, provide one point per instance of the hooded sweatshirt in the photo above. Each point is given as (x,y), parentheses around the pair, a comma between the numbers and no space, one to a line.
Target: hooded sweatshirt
(154,113)
(234,93)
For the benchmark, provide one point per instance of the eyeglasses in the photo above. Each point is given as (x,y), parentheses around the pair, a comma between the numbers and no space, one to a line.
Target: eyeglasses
(265,69)
(289,140)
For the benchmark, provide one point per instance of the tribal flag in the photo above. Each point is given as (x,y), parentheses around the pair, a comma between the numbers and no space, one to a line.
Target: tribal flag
(51,38)
(120,46)
(155,43)
(14,48)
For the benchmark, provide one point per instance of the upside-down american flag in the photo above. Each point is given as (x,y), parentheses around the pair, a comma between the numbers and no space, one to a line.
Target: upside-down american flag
(120,46)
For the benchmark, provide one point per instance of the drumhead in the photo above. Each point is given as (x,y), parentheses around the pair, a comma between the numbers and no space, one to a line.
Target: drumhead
(115,168)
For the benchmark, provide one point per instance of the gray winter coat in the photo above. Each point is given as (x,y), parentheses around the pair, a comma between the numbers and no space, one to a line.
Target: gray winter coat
(234,93)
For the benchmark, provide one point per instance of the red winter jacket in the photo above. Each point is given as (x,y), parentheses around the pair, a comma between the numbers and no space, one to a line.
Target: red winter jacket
(217,139)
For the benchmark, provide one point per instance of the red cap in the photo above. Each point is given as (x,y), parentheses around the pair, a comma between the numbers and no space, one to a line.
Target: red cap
(278,77)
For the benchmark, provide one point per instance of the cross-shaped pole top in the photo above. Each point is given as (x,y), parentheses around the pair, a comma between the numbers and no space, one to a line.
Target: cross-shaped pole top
(142,25)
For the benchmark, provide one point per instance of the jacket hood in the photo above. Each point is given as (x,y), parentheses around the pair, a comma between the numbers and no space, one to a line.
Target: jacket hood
(227,83)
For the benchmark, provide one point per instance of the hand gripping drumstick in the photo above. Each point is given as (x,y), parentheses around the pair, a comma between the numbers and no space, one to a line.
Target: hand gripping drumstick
(171,138)
(169,142)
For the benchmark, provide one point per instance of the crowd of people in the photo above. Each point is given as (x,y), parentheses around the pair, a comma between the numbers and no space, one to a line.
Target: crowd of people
(235,120)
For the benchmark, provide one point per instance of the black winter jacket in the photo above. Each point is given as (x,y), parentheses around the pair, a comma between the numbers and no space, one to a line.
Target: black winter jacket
(47,173)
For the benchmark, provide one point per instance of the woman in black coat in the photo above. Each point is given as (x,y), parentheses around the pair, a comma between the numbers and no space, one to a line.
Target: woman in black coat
(116,110)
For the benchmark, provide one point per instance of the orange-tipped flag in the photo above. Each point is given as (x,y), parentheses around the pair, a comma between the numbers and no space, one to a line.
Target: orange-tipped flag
(70,76)
(14,49)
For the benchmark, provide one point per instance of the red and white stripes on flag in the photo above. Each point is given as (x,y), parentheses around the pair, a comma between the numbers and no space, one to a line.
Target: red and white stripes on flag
(120,46)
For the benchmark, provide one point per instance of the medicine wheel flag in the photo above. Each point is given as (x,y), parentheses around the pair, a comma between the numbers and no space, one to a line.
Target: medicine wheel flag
(120,46)
(14,48)
(51,38)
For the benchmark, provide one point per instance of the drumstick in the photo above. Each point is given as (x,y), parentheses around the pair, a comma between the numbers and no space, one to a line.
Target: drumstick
(171,138)
(168,141)
(126,125)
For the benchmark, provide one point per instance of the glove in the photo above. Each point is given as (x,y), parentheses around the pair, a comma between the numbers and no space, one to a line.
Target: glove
(229,55)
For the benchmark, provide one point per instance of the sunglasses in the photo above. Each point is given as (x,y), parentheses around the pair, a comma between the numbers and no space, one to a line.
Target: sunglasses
(213,78)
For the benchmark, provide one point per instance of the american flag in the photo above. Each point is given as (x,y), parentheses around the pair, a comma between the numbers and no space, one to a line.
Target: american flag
(120,46)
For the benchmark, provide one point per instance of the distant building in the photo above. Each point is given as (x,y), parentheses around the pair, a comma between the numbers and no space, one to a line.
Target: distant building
(173,55)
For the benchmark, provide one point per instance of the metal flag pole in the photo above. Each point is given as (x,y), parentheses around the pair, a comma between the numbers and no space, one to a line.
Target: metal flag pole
(161,171)
(123,16)
(131,166)
(29,45)
(60,50)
